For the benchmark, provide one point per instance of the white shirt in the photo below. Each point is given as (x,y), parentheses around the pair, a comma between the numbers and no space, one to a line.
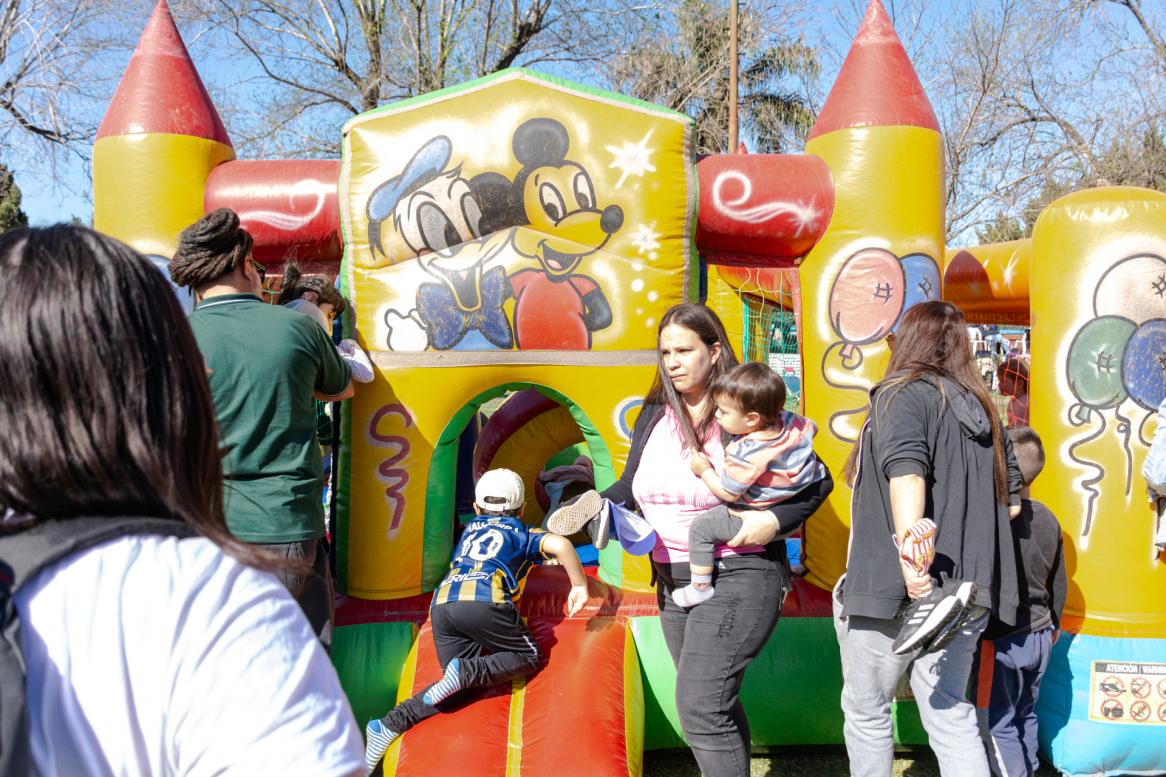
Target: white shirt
(158,656)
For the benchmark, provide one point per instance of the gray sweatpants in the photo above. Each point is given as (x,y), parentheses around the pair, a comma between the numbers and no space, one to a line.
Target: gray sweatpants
(939,680)
(709,529)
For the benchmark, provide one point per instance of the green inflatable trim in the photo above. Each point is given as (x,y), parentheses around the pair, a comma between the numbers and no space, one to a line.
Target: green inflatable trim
(368,658)
(661,723)
(791,693)
(694,260)
(510,72)
(568,455)
(439,491)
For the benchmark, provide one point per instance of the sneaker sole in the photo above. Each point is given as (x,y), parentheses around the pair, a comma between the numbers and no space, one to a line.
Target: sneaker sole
(945,610)
(570,519)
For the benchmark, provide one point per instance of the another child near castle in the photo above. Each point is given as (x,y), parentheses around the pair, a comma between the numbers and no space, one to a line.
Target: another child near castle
(1022,650)
(317,299)
(770,458)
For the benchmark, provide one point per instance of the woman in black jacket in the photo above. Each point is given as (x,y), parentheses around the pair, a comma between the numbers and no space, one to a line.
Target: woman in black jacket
(932,448)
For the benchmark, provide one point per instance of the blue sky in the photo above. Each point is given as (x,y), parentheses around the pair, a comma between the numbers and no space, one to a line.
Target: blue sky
(63,191)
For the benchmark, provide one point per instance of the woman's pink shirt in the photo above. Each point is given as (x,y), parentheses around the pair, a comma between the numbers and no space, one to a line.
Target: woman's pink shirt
(670,496)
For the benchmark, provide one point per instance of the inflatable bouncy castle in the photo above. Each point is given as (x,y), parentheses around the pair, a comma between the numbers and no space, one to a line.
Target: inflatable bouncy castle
(510,244)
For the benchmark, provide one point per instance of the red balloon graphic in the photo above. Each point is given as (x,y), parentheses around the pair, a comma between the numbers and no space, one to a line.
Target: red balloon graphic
(867,296)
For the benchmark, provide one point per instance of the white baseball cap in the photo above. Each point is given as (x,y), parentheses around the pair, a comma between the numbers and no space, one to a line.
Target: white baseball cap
(499,489)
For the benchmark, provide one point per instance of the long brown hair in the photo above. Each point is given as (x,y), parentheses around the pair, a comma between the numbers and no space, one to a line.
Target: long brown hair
(932,340)
(708,328)
(106,409)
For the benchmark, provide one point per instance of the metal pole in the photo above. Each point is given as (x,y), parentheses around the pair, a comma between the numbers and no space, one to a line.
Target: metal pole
(732,76)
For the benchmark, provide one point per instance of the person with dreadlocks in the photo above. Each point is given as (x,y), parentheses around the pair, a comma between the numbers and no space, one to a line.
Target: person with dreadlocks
(265,365)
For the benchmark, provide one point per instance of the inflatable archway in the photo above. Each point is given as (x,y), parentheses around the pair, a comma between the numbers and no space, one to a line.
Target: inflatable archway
(521,231)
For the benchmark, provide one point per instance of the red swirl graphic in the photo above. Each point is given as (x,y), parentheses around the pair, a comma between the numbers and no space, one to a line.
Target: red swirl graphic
(388,470)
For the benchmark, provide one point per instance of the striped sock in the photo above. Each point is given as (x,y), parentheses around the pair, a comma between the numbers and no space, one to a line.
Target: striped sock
(377,741)
(447,686)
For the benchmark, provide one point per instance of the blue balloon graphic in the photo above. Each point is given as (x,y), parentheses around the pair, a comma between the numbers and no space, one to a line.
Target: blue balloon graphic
(1144,364)
(921,275)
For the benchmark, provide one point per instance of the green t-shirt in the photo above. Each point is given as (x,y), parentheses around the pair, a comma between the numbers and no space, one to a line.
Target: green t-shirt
(265,364)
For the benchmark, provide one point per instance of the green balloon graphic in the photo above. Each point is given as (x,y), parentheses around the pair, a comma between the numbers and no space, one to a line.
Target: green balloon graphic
(1095,361)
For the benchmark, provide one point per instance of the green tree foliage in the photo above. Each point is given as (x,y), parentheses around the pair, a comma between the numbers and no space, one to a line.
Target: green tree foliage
(687,69)
(11,215)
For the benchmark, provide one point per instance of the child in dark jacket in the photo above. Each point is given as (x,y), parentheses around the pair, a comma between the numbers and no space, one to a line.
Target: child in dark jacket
(1022,650)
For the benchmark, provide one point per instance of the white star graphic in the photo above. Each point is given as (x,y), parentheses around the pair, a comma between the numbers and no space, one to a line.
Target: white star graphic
(645,238)
(632,159)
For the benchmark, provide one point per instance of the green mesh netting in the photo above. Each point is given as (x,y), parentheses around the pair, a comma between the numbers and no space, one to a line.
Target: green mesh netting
(771,336)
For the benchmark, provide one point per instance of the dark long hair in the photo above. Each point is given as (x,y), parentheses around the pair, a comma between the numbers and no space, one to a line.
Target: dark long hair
(705,324)
(933,341)
(105,406)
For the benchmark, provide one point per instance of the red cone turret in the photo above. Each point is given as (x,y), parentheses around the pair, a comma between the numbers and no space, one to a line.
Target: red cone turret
(161,91)
(877,85)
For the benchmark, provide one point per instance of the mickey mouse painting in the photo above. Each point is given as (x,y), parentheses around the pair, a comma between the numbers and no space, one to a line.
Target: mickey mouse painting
(552,201)
(455,226)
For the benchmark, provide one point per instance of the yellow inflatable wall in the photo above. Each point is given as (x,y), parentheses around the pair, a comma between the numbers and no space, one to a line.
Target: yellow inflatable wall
(1098,374)
(501,234)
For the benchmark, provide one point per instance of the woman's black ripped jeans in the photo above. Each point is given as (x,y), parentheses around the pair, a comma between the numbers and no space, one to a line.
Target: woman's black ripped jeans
(711,644)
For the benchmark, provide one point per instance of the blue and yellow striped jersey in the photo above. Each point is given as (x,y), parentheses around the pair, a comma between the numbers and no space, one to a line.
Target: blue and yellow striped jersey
(491,562)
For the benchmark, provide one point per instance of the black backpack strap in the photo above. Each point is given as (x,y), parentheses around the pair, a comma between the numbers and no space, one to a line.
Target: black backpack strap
(22,555)
(48,541)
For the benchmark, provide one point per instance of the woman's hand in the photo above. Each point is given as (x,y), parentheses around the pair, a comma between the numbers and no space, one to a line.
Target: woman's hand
(758,527)
(699,463)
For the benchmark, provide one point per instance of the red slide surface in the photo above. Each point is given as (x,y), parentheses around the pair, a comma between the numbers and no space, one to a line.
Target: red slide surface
(581,714)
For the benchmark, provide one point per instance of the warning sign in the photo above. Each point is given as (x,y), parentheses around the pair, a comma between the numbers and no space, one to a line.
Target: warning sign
(1133,693)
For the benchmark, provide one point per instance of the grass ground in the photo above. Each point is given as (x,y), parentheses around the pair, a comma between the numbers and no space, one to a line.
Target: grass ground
(796,762)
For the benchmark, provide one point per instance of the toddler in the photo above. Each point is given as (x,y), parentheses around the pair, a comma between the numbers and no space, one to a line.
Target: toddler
(770,458)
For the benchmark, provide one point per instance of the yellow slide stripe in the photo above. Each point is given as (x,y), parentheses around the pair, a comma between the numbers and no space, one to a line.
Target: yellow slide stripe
(404,691)
(514,733)
(633,705)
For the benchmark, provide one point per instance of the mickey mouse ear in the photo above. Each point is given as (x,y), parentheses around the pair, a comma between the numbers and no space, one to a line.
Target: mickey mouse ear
(541,142)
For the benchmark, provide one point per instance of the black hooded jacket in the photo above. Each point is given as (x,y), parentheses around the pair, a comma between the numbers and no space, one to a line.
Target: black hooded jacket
(933,428)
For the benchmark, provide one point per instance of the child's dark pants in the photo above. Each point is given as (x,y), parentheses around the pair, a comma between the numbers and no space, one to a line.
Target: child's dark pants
(1016,674)
(492,644)
(709,529)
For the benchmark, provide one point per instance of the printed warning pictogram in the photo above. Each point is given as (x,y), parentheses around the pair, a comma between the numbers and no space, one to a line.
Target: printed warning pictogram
(1122,692)
(1111,709)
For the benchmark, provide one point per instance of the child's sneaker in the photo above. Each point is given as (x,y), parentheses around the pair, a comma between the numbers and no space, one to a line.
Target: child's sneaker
(925,617)
(377,739)
(449,684)
(586,511)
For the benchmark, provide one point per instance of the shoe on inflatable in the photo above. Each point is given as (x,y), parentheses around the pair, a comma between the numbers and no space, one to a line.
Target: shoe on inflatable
(585,512)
